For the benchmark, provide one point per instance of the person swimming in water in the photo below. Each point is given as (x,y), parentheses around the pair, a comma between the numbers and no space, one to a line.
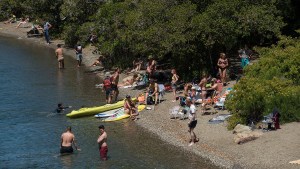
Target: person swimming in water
(60,108)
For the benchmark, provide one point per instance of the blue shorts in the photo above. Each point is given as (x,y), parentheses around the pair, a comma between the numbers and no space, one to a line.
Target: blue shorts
(79,56)
(108,92)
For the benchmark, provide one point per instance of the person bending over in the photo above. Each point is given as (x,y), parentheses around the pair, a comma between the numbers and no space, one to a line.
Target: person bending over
(67,140)
(129,108)
(152,91)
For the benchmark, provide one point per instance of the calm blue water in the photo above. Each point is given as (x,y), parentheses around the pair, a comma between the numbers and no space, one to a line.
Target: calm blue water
(30,88)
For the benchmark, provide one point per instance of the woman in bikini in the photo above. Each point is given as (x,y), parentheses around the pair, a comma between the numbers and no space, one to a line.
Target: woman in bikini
(129,108)
(223,64)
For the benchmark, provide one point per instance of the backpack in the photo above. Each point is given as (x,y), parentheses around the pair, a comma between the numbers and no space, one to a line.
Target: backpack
(150,100)
(107,83)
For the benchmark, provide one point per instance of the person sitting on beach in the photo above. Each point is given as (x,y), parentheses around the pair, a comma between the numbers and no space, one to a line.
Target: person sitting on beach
(202,86)
(152,91)
(187,88)
(67,140)
(13,19)
(60,57)
(22,22)
(132,81)
(98,62)
(107,87)
(129,108)
(137,64)
(214,87)
(60,108)
(102,139)
(193,95)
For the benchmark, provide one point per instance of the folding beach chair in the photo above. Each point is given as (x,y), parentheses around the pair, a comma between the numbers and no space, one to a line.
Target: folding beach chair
(174,112)
(161,92)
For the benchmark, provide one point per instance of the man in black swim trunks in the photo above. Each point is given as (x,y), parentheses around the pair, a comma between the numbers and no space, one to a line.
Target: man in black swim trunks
(192,121)
(67,139)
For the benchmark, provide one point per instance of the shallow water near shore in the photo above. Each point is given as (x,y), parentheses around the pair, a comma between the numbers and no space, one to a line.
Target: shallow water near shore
(31,85)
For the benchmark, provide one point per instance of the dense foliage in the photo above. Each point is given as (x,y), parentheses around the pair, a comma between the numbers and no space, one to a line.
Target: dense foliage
(175,31)
(273,82)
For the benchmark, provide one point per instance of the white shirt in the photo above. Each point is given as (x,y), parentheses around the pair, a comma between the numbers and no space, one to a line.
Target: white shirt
(192,112)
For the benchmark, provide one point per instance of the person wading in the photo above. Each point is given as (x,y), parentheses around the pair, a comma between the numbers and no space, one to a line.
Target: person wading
(102,143)
(67,140)
(60,57)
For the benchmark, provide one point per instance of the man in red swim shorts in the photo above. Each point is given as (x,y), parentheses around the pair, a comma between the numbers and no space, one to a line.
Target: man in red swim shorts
(102,143)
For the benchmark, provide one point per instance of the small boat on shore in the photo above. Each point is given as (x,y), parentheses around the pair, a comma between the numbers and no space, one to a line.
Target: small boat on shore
(90,111)
(122,115)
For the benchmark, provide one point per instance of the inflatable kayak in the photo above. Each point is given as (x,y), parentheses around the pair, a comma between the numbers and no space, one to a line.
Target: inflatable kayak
(89,111)
(122,115)
(109,113)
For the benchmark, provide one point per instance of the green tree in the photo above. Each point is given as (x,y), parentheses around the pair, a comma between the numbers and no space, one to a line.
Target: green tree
(271,82)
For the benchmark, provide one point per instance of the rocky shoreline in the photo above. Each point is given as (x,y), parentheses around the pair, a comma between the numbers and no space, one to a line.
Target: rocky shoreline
(272,150)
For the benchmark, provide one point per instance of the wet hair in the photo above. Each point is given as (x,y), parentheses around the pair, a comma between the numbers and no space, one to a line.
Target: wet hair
(59,104)
(58,45)
(69,128)
(128,96)
(101,127)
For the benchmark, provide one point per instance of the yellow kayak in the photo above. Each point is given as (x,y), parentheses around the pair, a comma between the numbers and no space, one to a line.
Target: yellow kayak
(90,111)
(122,115)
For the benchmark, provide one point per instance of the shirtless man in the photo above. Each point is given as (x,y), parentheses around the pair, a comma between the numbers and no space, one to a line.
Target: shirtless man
(102,143)
(67,139)
(59,56)
(115,81)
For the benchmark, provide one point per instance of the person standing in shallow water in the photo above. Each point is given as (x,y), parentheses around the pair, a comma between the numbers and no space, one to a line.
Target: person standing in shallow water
(78,50)
(102,139)
(67,140)
(60,57)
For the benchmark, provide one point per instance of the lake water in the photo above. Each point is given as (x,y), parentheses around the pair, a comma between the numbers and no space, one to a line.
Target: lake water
(31,85)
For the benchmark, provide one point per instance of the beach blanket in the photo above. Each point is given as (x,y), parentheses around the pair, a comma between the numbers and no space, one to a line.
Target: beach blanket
(219,119)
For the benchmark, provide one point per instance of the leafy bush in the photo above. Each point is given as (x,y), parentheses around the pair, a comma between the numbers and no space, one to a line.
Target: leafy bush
(271,82)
